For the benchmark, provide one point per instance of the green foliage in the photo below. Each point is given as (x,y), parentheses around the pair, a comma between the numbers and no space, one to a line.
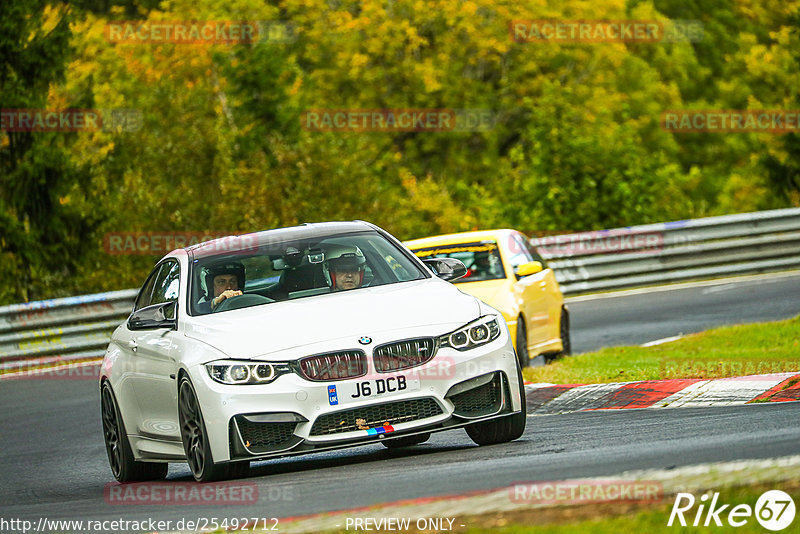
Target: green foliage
(41,217)
(576,144)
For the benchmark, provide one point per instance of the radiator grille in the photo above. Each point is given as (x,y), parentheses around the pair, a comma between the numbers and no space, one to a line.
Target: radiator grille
(334,366)
(403,354)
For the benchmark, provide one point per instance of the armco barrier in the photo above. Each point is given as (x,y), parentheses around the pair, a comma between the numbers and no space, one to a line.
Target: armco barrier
(79,327)
(61,329)
(675,251)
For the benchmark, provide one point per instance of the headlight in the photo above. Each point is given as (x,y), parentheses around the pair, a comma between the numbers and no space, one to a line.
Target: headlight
(233,372)
(472,335)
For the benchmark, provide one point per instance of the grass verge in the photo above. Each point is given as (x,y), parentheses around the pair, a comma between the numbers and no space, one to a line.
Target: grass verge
(617,517)
(739,350)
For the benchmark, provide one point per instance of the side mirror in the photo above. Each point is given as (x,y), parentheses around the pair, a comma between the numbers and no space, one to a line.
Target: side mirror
(446,268)
(527,269)
(155,316)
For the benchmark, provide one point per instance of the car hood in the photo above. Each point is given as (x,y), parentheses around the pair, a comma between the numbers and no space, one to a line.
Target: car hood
(259,331)
(486,290)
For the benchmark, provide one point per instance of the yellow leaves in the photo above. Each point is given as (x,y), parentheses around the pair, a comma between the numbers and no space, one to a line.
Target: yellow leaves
(359,60)
(107,148)
(51,16)
(431,83)
(352,24)
(469,8)
(408,180)
(430,74)
(298,83)
(782,36)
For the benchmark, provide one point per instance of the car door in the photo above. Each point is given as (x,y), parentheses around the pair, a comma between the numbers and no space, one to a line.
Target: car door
(154,364)
(531,292)
(553,298)
(125,340)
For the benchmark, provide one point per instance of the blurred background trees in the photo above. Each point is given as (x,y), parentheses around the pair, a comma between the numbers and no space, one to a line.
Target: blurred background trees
(576,144)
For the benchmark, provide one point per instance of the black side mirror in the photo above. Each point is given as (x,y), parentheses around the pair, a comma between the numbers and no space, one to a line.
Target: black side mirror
(155,316)
(446,268)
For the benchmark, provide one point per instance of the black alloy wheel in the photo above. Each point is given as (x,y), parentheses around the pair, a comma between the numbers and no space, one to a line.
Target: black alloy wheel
(123,464)
(195,440)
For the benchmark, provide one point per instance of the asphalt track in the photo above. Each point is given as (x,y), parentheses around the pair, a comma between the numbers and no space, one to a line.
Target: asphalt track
(54,463)
(640,318)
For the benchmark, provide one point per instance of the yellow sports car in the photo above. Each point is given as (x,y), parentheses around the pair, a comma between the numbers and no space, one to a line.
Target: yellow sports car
(506,272)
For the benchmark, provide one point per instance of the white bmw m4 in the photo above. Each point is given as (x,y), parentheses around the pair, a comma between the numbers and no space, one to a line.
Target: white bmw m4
(298,340)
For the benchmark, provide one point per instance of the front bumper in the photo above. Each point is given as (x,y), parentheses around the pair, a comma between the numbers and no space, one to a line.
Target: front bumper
(295,416)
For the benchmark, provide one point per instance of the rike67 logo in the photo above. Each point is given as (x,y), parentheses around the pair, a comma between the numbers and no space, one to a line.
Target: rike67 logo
(774,510)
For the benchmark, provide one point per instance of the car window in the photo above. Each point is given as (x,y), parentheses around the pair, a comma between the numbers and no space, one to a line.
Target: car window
(482,259)
(166,284)
(518,252)
(143,299)
(299,268)
(532,251)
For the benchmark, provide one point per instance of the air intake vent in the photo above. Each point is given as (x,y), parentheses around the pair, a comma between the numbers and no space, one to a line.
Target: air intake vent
(390,413)
(263,437)
(480,401)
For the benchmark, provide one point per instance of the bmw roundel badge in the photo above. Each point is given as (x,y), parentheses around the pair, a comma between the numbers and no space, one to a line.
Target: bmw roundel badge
(365,340)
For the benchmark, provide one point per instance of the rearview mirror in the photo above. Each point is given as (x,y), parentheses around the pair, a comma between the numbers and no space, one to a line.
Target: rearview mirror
(446,268)
(527,269)
(155,316)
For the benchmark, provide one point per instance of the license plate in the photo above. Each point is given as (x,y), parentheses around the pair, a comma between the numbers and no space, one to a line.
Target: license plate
(359,390)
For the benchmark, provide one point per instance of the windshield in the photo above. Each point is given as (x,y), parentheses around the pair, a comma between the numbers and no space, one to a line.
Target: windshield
(482,259)
(297,268)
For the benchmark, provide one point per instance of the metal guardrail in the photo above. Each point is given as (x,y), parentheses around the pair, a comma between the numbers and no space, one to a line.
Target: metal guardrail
(79,327)
(64,329)
(675,251)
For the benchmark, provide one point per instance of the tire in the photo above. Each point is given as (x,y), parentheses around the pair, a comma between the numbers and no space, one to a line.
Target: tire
(195,440)
(407,441)
(502,430)
(563,329)
(123,465)
(522,343)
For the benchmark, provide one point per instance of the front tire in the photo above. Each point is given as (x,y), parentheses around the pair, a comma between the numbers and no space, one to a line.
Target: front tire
(502,430)
(123,465)
(195,440)
(566,342)
(522,343)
